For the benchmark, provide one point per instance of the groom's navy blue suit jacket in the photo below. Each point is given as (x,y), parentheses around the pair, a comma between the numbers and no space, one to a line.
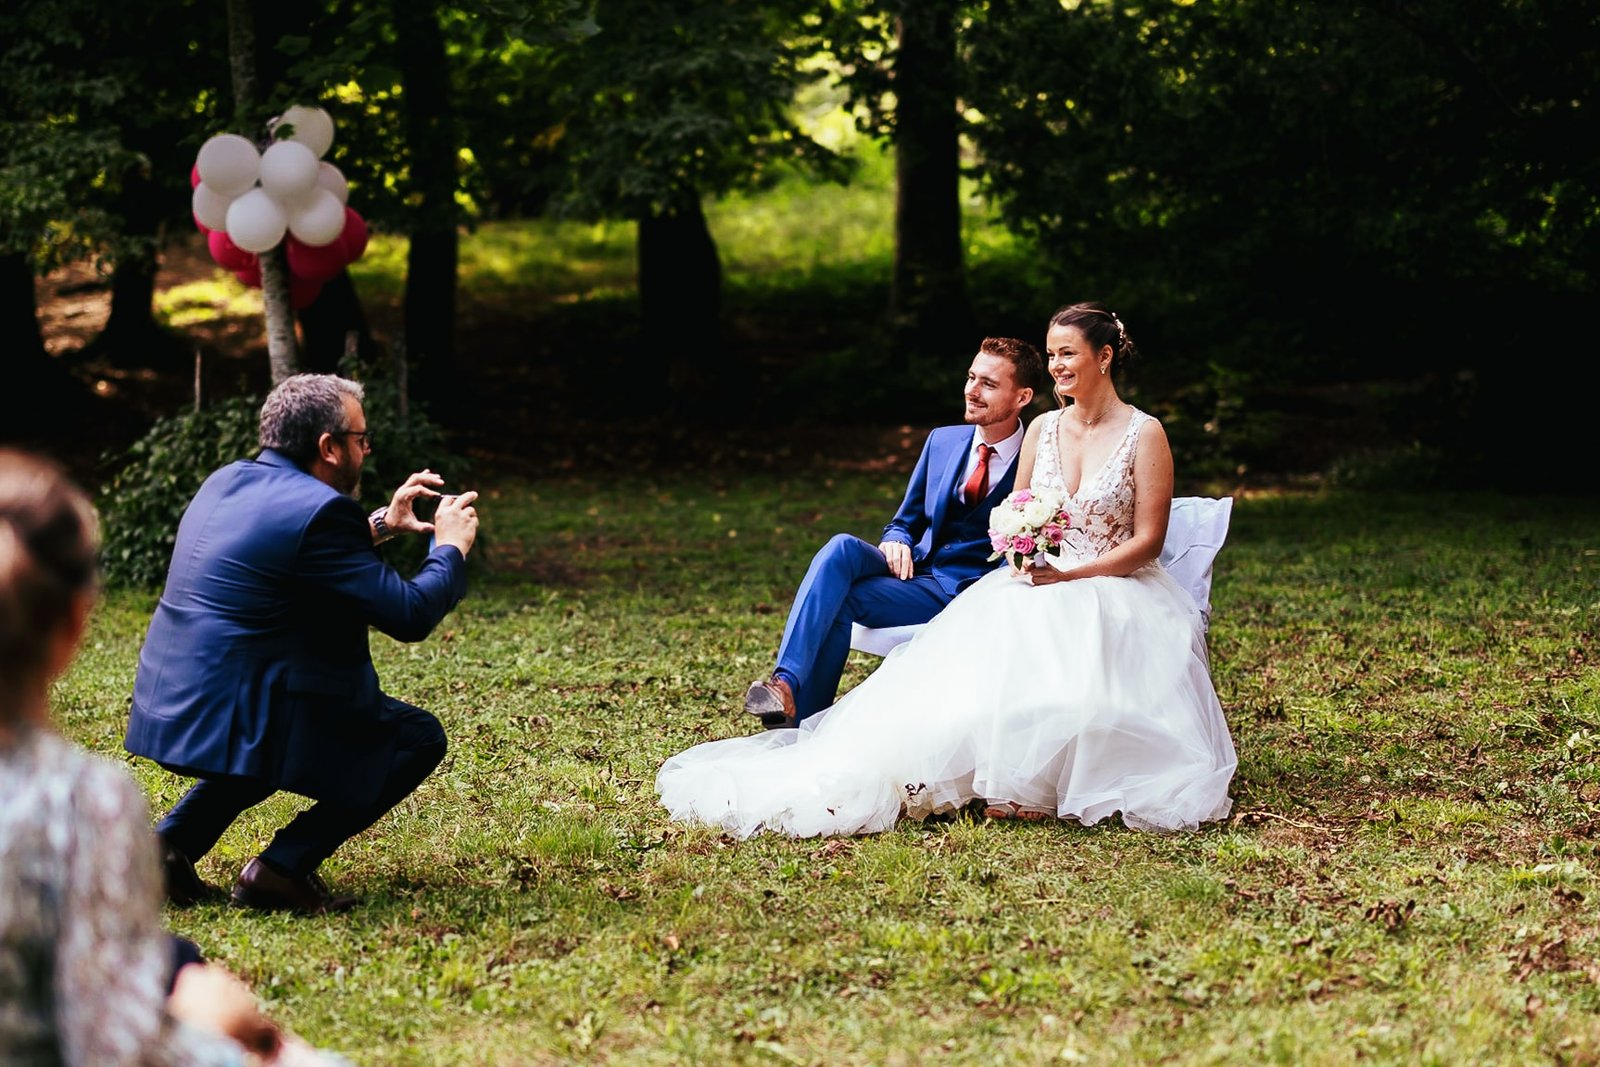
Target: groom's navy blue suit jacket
(947,539)
(256,660)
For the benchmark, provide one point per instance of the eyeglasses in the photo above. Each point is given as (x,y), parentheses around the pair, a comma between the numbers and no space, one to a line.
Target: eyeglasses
(364,436)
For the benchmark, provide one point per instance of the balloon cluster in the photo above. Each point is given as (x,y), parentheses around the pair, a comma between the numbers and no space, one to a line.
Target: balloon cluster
(247,201)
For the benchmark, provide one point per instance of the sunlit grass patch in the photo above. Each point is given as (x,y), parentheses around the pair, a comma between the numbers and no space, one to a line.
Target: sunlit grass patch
(221,296)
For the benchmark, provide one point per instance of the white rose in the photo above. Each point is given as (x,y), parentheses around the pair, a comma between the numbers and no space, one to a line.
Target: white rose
(1037,512)
(1005,520)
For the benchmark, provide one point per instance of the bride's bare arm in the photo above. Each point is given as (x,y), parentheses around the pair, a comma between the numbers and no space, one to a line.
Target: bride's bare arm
(1152,508)
(1030,448)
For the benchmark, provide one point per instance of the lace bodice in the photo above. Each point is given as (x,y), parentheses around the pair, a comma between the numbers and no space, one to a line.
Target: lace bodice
(1102,508)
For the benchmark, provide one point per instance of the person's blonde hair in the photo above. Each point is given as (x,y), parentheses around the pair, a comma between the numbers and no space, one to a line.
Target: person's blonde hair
(49,540)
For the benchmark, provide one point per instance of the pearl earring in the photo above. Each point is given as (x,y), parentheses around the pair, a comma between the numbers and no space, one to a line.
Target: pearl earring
(1102,368)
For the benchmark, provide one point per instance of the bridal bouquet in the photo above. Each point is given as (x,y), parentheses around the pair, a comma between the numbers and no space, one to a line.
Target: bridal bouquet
(1029,526)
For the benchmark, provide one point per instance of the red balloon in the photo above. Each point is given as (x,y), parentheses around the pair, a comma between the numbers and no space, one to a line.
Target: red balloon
(194,175)
(317,263)
(228,255)
(302,291)
(354,235)
(250,275)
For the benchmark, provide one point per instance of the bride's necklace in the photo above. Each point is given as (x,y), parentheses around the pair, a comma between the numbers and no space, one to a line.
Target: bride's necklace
(1089,424)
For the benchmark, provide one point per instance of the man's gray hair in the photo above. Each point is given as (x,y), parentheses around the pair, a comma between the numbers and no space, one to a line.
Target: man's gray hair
(303,407)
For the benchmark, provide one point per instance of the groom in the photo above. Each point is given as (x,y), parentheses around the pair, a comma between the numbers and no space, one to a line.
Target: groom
(934,547)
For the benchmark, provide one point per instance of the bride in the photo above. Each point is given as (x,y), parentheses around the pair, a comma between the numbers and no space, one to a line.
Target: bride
(1076,692)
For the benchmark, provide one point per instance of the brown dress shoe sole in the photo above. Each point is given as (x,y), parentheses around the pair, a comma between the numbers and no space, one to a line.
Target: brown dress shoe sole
(761,701)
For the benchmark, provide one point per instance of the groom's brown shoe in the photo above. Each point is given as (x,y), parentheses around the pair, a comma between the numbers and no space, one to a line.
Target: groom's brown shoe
(264,889)
(771,701)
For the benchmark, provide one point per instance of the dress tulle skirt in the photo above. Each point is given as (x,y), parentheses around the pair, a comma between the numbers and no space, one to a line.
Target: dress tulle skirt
(1084,699)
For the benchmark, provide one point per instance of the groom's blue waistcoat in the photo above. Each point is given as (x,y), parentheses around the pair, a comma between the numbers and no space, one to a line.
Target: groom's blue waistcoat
(948,539)
(256,660)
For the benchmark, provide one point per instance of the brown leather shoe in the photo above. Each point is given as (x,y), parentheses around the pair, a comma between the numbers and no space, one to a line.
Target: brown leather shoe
(184,887)
(264,889)
(772,702)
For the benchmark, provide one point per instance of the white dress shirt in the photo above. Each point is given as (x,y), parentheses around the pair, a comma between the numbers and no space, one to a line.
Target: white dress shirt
(1005,454)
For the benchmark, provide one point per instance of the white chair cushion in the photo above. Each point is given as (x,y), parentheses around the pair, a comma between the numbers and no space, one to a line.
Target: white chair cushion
(1195,533)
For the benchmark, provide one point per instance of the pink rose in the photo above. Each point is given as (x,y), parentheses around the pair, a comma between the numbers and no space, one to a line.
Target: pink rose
(997,542)
(1024,544)
(1022,496)
(1053,534)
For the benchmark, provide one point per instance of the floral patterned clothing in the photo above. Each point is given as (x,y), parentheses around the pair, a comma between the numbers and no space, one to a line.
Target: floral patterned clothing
(83,956)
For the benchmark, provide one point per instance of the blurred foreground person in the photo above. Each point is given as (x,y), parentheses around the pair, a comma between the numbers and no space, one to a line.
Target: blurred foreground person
(86,970)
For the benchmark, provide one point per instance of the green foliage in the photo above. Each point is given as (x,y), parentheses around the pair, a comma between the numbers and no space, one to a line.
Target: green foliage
(1232,167)
(1408,877)
(99,119)
(673,100)
(141,503)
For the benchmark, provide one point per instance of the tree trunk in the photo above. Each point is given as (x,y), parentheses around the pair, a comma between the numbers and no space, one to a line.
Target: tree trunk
(131,337)
(133,289)
(51,399)
(929,310)
(431,260)
(19,318)
(680,303)
(282,351)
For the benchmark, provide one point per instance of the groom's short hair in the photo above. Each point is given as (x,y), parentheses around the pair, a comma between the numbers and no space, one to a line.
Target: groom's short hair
(1027,366)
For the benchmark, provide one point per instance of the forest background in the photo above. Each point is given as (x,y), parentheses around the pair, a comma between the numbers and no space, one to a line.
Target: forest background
(1344,235)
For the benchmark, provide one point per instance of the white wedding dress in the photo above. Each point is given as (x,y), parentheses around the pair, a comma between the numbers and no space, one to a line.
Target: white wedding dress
(1083,699)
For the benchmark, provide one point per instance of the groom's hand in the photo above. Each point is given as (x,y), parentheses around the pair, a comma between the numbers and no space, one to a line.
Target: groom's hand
(898,556)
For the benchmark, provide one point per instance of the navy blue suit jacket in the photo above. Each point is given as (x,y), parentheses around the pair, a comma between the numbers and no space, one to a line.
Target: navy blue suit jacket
(947,541)
(256,660)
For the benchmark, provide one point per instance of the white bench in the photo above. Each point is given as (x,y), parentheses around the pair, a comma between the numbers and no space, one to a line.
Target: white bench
(1195,532)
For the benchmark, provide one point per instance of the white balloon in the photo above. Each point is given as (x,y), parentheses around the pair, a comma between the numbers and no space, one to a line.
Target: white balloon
(313,127)
(331,178)
(228,163)
(210,206)
(318,219)
(288,171)
(256,221)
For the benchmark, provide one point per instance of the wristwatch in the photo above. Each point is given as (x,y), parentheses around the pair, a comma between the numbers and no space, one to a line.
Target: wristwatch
(380,527)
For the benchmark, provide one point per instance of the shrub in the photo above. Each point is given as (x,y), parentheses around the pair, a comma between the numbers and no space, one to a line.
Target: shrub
(140,505)
(156,477)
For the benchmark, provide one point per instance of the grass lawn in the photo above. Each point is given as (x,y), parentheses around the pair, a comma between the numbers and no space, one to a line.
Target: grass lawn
(1409,875)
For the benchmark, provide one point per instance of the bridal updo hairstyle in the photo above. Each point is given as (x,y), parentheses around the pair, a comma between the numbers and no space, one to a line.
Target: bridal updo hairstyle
(48,548)
(1100,327)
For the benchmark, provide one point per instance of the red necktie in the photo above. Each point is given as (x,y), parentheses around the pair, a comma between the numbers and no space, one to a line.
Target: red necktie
(978,485)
